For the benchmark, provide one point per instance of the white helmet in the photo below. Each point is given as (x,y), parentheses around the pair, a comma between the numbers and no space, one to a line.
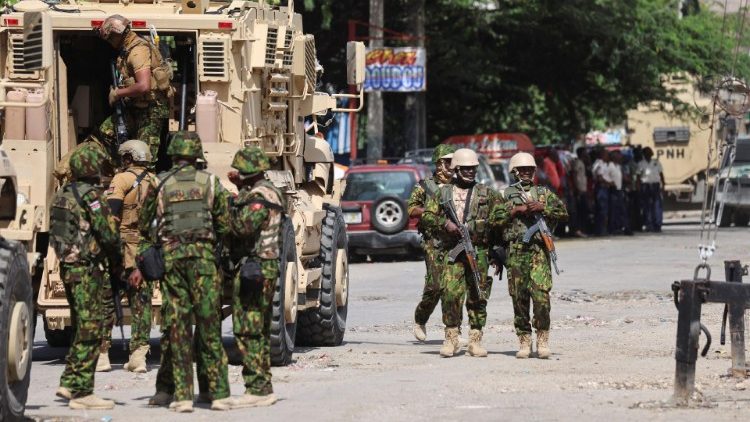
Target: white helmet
(521,159)
(137,149)
(464,157)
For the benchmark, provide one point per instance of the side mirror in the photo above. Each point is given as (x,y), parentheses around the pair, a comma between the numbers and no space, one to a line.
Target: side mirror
(37,41)
(355,63)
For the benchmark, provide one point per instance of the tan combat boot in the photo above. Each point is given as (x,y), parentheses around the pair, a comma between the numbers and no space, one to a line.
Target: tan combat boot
(222,404)
(252,400)
(524,350)
(161,398)
(183,406)
(91,402)
(542,346)
(450,345)
(420,332)
(64,393)
(137,361)
(475,344)
(102,364)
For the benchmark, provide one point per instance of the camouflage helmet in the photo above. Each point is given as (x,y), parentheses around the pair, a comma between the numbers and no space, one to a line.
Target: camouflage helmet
(114,24)
(251,160)
(138,150)
(185,143)
(442,151)
(87,161)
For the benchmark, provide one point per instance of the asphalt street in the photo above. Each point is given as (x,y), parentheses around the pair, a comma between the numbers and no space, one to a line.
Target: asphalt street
(613,340)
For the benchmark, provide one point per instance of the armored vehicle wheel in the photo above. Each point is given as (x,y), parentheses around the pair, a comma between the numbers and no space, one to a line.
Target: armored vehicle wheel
(16,329)
(284,319)
(58,338)
(741,218)
(326,325)
(726,216)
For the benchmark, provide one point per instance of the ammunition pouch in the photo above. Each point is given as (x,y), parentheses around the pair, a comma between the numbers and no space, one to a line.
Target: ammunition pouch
(162,75)
(251,279)
(151,263)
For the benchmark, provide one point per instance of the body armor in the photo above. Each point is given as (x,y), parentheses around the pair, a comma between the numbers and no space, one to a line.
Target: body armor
(267,244)
(476,213)
(71,234)
(520,224)
(186,204)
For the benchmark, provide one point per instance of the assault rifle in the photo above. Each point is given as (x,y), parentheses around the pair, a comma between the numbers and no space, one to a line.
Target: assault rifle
(121,130)
(541,227)
(466,247)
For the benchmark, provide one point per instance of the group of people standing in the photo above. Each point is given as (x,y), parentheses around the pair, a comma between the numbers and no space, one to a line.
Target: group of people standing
(451,201)
(184,214)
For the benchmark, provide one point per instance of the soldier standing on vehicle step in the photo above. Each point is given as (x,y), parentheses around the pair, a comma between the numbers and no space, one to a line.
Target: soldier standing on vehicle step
(125,196)
(529,274)
(84,236)
(472,202)
(189,210)
(433,254)
(256,217)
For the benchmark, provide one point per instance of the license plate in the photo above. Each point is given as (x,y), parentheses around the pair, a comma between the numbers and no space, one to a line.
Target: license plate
(353,217)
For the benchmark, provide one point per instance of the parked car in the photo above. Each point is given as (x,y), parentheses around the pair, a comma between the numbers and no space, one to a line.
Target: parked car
(374,206)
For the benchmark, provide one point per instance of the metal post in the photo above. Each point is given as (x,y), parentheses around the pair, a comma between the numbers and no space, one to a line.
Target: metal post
(375,98)
(352,90)
(688,330)
(733,270)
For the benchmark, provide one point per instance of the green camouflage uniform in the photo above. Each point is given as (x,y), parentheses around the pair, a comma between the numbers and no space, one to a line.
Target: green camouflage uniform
(83,238)
(456,276)
(529,275)
(255,227)
(191,214)
(433,254)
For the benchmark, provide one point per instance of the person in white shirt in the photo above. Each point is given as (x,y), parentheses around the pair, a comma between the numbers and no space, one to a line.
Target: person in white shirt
(618,223)
(603,179)
(650,187)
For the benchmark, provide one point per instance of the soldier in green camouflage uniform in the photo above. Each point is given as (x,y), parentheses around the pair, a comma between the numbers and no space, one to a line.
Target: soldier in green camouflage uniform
(472,202)
(189,214)
(529,275)
(84,237)
(433,254)
(256,216)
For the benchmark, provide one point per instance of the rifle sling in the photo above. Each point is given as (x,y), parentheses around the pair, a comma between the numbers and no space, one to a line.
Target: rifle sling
(467,206)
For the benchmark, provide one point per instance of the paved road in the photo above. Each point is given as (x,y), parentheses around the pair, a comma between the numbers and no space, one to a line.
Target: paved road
(612,339)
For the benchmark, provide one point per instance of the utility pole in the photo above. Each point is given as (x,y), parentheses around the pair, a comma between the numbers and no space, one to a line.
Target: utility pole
(415,126)
(375,98)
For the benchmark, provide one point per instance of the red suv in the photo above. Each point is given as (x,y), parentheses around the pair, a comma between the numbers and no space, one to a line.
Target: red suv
(374,206)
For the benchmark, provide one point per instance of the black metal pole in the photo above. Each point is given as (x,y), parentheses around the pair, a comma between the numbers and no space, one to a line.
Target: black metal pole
(688,331)
(733,270)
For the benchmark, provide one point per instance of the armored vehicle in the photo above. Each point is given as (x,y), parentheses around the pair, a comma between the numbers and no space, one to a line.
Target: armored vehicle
(248,75)
(16,300)
(736,194)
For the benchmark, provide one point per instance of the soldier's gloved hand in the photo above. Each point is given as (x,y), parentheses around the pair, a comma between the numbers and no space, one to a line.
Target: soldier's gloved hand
(112,95)
(519,209)
(452,228)
(135,279)
(535,206)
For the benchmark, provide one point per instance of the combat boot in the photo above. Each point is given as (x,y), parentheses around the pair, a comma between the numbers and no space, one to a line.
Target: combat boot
(475,344)
(222,404)
(420,332)
(182,406)
(161,398)
(90,402)
(137,361)
(252,400)
(524,350)
(450,345)
(64,393)
(102,364)
(203,398)
(542,344)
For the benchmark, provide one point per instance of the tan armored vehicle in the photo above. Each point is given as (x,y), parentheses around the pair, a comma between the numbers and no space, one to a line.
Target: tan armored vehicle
(16,299)
(248,72)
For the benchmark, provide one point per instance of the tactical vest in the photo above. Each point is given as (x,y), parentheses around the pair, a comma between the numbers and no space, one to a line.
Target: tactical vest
(430,187)
(161,70)
(268,241)
(187,201)
(476,213)
(521,223)
(71,234)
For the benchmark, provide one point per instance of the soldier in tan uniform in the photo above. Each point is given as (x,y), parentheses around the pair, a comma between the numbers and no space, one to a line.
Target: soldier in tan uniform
(125,197)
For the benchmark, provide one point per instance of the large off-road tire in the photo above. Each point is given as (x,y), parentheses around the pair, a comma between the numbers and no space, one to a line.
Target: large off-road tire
(326,325)
(16,329)
(284,318)
(741,218)
(58,338)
